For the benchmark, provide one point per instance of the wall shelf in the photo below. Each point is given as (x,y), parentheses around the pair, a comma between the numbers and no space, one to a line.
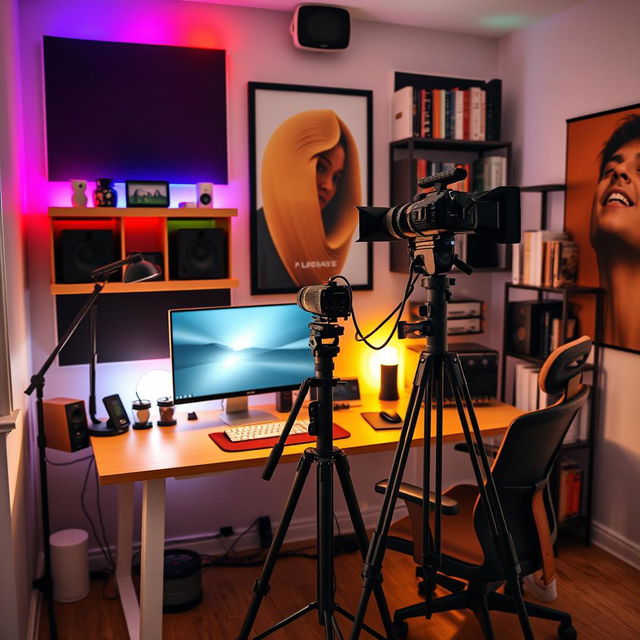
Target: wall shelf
(147,230)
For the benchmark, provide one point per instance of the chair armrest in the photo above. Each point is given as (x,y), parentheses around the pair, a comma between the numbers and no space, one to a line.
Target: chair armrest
(491,449)
(412,493)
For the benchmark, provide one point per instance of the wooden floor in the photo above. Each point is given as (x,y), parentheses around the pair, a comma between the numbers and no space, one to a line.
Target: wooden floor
(601,592)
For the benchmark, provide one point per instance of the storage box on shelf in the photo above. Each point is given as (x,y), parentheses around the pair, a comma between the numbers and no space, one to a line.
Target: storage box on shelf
(151,231)
(427,151)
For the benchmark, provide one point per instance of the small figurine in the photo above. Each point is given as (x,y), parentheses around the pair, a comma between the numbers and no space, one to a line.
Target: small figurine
(78,195)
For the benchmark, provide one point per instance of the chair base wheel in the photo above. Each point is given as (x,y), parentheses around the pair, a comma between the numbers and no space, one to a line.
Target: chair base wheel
(400,628)
(567,632)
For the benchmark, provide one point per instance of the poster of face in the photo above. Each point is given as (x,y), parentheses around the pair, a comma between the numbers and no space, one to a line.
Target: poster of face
(603,215)
(310,153)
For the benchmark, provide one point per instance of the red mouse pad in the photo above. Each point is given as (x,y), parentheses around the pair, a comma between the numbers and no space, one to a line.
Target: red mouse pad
(267,443)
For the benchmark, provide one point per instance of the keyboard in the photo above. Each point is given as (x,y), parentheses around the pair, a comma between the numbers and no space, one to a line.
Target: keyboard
(265,430)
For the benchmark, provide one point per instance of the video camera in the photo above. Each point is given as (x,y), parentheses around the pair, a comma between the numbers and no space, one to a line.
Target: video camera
(494,215)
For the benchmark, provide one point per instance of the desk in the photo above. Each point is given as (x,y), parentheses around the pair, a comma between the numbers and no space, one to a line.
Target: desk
(152,455)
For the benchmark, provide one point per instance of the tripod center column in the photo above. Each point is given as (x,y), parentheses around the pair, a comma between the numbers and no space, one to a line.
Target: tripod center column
(437,297)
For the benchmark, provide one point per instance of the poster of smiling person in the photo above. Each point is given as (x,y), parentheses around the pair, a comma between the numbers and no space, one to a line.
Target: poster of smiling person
(310,168)
(603,214)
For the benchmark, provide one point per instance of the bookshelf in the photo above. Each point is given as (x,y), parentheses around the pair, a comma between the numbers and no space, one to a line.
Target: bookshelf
(581,450)
(406,152)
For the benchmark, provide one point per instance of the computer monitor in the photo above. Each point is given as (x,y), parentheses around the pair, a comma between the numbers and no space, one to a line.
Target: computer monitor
(234,352)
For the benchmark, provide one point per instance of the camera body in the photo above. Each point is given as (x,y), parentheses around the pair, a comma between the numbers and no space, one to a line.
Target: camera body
(326,300)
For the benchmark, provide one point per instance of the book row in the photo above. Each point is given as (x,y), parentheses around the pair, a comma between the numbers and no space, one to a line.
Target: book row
(545,259)
(482,175)
(529,397)
(453,114)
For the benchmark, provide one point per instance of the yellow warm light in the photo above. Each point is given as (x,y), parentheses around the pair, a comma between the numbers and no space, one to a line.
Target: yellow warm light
(389,355)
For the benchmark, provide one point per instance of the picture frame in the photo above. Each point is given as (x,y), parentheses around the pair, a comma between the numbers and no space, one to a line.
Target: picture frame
(147,193)
(602,202)
(311,164)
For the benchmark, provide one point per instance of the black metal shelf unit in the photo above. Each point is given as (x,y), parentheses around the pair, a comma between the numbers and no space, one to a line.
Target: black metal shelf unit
(584,520)
(403,184)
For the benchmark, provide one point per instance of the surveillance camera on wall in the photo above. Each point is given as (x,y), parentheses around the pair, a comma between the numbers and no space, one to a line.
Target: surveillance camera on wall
(319,27)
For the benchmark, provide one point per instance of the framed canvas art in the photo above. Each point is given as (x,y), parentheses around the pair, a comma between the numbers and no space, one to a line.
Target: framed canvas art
(602,213)
(311,165)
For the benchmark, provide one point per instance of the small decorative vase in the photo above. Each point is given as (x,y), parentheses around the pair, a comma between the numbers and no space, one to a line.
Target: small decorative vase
(105,194)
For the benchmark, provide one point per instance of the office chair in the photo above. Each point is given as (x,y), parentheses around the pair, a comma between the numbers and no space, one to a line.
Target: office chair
(470,569)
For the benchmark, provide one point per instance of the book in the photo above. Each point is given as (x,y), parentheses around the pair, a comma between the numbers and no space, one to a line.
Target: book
(466,114)
(556,339)
(516,263)
(404,110)
(537,240)
(565,271)
(475,105)
(459,118)
(494,109)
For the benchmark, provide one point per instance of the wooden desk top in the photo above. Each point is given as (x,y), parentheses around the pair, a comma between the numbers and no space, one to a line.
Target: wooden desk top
(186,449)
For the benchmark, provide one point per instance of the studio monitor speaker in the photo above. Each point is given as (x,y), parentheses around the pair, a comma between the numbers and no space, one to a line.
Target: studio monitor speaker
(80,251)
(526,325)
(204,193)
(199,254)
(318,27)
(65,424)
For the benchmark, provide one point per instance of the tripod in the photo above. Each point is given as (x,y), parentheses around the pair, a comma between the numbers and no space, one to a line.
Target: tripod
(324,343)
(434,257)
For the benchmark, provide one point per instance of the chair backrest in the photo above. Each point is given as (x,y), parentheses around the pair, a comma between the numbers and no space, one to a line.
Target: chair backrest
(530,448)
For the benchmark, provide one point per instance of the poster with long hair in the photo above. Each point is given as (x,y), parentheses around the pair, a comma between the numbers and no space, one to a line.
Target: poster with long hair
(310,153)
(602,213)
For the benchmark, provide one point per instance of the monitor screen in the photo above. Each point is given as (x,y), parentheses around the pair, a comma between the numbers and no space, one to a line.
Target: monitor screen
(231,351)
(135,111)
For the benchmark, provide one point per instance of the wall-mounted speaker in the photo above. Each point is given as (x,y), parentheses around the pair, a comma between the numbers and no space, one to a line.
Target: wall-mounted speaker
(65,424)
(80,251)
(199,254)
(318,27)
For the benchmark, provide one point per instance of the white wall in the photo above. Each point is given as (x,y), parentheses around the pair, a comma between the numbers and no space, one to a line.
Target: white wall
(578,62)
(14,599)
(259,49)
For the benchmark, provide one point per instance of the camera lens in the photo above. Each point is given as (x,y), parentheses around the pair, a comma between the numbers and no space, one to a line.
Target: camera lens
(325,300)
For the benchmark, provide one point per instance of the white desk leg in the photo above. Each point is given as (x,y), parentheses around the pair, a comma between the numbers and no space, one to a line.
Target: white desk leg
(124,552)
(152,559)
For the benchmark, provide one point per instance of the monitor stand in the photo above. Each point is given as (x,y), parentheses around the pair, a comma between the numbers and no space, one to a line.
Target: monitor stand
(237,412)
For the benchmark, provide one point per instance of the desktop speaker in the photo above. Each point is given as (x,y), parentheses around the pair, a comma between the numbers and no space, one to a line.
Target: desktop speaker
(317,27)
(480,367)
(199,254)
(65,424)
(83,250)
(204,192)
(525,325)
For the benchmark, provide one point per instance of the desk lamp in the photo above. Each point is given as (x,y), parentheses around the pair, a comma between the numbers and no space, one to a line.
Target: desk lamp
(389,374)
(143,271)
(137,270)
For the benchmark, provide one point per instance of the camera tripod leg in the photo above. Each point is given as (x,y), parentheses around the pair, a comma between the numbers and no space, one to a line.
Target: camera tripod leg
(372,568)
(261,587)
(324,539)
(342,467)
(487,487)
